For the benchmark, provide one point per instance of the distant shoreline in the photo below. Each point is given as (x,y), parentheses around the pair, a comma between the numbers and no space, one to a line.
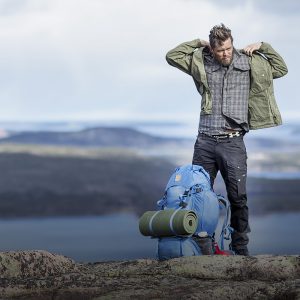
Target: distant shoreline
(47,186)
(274,175)
(64,180)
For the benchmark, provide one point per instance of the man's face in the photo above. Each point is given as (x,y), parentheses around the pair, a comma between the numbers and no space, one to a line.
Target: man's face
(223,53)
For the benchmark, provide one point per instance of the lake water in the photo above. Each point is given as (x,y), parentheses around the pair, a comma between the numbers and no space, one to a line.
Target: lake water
(116,237)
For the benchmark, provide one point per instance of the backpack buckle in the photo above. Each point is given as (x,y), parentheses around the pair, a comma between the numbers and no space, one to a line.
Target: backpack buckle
(183,204)
(198,190)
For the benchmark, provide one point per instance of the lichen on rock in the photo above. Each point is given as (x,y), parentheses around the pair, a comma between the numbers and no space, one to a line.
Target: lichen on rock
(25,264)
(42,275)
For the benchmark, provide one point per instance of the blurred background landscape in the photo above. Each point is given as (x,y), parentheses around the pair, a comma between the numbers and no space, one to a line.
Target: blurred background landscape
(93,121)
(79,188)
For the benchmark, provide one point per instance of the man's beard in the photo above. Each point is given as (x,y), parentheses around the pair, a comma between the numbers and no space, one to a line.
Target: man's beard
(226,62)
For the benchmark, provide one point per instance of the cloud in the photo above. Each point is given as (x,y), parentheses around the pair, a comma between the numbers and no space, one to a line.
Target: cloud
(96,58)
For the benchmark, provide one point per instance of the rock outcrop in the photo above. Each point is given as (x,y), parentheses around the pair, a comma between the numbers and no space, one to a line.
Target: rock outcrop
(42,275)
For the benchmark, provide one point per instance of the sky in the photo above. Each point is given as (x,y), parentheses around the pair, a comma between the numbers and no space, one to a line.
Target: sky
(104,60)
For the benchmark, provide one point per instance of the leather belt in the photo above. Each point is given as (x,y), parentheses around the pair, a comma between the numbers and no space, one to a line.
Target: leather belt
(225,135)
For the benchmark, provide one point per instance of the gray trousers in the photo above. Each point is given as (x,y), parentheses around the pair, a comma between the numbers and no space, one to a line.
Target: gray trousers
(228,156)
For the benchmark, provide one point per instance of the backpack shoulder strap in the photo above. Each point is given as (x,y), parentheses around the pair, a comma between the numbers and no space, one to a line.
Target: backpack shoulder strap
(202,170)
(163,201)
(226,229)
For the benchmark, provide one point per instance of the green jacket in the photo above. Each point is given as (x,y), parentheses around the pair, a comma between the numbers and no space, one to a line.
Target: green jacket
(265,65)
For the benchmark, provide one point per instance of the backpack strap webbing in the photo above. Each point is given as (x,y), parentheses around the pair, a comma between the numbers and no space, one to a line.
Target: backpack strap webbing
(226,229)
(171,220)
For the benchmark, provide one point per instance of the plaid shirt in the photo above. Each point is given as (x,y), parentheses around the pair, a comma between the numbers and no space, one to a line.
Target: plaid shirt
(229,87)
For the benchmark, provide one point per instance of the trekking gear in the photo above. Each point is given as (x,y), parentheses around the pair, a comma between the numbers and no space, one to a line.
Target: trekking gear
(189,188)
(172,247)
(218,251)
(205,243)
(169,222)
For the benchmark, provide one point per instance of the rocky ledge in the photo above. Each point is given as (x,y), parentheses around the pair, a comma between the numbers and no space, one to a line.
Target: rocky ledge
(42,275)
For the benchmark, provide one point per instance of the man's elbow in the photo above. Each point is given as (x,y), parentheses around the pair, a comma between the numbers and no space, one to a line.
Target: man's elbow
(280,72)
(170,58)
(285,71)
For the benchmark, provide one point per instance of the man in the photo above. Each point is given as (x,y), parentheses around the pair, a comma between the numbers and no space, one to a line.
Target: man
(237,95)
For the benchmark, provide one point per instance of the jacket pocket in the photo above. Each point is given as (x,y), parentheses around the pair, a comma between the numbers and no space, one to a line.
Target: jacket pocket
(261,75)
(259,107)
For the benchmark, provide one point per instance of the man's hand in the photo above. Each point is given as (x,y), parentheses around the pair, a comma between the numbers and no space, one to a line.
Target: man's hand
(204,43)
(251,48)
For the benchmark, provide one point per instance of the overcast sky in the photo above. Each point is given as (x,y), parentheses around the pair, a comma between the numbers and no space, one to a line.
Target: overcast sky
(105,59)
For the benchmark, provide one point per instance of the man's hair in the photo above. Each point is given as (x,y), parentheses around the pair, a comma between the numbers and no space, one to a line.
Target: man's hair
(218,35)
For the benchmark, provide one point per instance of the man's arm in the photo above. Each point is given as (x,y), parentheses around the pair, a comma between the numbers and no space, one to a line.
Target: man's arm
(181,56)
(277,63)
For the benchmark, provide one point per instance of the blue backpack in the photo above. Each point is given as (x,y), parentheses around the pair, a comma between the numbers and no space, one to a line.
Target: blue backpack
(190,188)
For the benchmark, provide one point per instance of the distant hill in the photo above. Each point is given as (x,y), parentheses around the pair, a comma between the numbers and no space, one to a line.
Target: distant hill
(271,143)
(124,137)
(40,181)
(101,136)
(36,185)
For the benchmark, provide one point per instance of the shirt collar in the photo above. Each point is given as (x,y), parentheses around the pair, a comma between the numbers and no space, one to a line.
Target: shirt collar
(238,62)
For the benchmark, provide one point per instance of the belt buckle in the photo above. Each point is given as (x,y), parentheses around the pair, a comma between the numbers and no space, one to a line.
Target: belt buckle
(232,134)
(219,137)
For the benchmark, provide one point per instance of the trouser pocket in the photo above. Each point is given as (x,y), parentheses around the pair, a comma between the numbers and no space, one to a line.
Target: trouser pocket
(236,180)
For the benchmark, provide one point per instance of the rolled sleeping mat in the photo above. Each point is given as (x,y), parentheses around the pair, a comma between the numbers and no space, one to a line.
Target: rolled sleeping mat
(169,222)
